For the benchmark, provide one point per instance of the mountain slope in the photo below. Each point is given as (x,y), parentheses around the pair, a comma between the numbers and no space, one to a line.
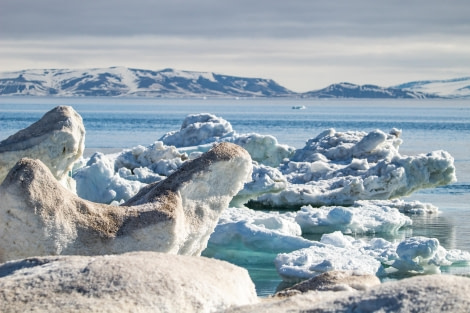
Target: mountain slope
(118,81)
(348,90)
(170,83)
(449,88)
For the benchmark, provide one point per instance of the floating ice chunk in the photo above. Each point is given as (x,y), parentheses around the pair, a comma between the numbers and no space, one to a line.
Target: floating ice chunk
(201,129)
(198,129)
(411,207)
(334,252)
(98,181)
(265,179)
(362,217)
(243,235)
(342,146)
(421,255)
(157,157)
(340,168)
(263,148)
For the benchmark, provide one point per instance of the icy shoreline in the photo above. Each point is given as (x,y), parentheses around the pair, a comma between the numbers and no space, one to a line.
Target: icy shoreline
(339,185)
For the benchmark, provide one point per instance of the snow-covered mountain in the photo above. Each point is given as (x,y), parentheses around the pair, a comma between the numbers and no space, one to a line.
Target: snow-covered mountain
(170,83)
(348,90)
(120,81)
(450,88)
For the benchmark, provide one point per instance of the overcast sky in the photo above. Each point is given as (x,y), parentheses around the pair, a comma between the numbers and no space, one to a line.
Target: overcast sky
(302,44)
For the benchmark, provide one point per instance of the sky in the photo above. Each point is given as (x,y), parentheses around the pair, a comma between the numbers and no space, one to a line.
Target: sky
(301,44)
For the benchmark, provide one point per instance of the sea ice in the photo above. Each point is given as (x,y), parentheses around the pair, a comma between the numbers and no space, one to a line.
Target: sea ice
(157,157)
(336,251)
(57,139)
(333,252)
(338,168)
(118,177)
(243,235)
(263,148)
(176,215)
(198,129)
(98,181)
(334,168)
(362,217)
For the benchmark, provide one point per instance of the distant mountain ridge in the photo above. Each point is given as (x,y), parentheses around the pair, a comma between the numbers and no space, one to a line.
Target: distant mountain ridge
(446,88)
(170,83)
(348,90)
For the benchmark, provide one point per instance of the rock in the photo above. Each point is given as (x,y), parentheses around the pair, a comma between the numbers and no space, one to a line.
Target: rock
(420,294)
(57,139)
(177,215)
(333,281)
(131,282)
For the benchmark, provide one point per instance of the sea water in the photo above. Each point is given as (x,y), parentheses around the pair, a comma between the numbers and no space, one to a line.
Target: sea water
(113,124)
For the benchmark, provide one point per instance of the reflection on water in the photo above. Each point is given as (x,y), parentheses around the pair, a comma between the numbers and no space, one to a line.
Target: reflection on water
(440,226)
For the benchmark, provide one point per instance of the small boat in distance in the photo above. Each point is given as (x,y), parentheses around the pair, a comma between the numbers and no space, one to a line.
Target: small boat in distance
(299,107)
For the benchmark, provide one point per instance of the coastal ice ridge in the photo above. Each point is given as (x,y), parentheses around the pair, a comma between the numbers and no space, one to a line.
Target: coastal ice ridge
(334,168)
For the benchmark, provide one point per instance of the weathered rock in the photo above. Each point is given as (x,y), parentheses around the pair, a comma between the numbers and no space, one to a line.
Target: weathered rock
(131,282)
(332,281)
(420,294)
(57,139)
(177,215)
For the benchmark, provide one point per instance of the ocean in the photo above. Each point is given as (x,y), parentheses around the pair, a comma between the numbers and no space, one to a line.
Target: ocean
(113,124)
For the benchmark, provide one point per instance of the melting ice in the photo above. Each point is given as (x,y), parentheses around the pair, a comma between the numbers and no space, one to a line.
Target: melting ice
(339,184)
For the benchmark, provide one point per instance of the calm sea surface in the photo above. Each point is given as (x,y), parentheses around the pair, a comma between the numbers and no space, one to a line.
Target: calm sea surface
(427,125)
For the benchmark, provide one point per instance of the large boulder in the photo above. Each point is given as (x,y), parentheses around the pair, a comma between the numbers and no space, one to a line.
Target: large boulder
(420,294)
(177,215)
(132,282)
(57,139)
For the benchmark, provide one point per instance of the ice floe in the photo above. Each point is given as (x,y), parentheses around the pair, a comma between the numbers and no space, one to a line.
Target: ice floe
(335,251)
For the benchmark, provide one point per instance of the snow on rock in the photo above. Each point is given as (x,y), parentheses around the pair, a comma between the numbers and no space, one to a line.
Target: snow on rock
(363,217)
(131,282)
(176,215)
(198,129)
(338,168)
(57,139)
(336,251)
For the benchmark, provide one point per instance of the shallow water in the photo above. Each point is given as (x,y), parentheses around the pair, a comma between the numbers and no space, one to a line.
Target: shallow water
(427,125)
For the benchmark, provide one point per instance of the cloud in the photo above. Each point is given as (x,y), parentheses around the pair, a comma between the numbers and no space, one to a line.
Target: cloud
(241,18)
(302,44)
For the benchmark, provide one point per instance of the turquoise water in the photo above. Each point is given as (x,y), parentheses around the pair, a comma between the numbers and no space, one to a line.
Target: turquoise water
(427,125)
